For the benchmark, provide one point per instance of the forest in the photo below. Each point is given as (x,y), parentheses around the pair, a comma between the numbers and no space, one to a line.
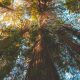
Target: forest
(39,39)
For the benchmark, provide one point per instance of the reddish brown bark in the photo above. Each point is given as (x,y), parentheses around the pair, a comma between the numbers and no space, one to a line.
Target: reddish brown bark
(41,66)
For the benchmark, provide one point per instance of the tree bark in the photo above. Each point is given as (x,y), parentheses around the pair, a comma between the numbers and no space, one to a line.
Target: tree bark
(41,66)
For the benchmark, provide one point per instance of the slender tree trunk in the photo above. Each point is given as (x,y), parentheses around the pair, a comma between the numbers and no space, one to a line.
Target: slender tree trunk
(41,66)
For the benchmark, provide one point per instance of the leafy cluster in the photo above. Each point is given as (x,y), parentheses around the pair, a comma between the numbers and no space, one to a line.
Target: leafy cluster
(73,5)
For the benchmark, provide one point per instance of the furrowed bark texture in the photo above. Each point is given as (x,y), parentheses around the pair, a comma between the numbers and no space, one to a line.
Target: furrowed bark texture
(41,66)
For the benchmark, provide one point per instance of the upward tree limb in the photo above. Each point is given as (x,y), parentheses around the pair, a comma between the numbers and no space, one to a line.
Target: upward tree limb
(66,40)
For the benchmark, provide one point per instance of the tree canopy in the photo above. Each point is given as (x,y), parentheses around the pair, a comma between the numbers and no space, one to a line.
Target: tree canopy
(39,40)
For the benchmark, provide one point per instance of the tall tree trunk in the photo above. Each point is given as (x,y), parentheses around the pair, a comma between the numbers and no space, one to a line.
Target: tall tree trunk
(41,66)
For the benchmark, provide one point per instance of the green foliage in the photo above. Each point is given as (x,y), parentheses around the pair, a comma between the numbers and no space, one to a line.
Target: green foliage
(9,43)
(6,69)
(73,5)
(9,51)
(33,32)
(6,2)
